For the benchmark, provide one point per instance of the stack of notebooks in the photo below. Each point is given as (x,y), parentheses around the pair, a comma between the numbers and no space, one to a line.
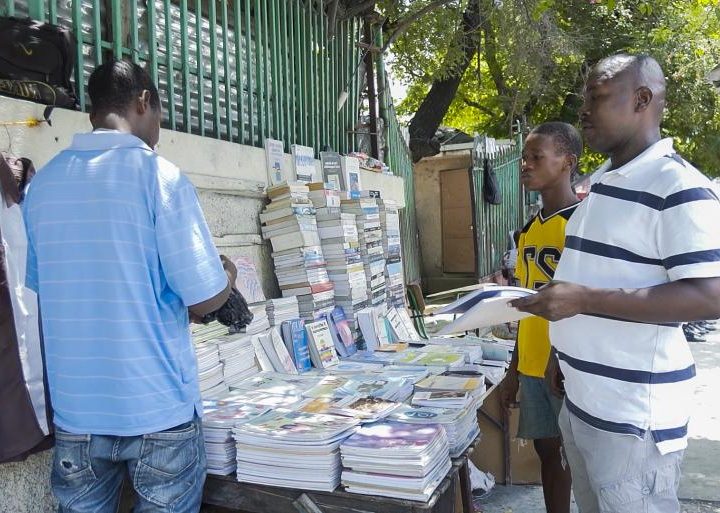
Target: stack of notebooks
(442,360)
(450,390)
(390,388)
(290,225)
(219,419)
(460,424)
(292,449)
(365,409)
(204,332)
(390,223)
(238,358)
(282,309)
(398,460)
(210,370)
(370,239)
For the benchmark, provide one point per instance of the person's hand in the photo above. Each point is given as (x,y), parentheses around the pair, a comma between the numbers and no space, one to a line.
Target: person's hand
(555,301)
(230,269)
(554,377)
(509,390)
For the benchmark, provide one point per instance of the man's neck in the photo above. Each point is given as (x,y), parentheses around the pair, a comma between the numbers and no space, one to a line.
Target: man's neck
(558,198)
(112,122)
(634,147)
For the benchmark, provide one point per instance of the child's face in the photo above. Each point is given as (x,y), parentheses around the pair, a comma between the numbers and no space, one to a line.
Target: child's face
(543,166)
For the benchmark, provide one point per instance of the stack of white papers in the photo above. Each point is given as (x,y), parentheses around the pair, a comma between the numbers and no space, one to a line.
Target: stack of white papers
(260,322)
(292,449)
(238,358)
(460,425)
(396,460)
(282,309)
(210,370)
(485,307)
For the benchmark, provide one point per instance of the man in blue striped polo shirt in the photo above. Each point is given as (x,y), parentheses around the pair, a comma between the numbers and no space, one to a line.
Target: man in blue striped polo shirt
(642,254)
(118,251)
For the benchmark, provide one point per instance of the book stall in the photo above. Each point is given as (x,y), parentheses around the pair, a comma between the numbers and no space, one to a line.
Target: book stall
(329,399)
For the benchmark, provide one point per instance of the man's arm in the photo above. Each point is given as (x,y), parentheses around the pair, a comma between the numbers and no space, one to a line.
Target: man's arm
(214,303)
(678,301)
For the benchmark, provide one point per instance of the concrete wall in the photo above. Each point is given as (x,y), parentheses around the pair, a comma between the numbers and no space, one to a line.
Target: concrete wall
(429,217)
(230,179)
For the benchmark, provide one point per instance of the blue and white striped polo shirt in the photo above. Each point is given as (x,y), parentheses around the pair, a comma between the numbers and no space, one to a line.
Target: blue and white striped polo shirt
(652,221)
(118,249)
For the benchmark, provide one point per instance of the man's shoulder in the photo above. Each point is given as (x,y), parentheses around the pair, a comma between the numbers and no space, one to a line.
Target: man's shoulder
(674,174)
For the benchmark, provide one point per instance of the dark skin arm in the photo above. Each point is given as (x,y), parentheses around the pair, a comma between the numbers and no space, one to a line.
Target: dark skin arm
(554,376)
(678,301)
(508,393)
(215,302)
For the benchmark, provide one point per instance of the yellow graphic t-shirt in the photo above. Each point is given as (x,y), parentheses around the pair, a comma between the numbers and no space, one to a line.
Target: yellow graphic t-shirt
(539,247)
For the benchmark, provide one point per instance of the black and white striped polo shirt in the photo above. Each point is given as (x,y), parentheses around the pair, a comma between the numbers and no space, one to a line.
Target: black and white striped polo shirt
(652,221)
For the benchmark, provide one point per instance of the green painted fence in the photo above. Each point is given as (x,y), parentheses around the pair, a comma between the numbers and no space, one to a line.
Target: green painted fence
(494,222)
(239,70)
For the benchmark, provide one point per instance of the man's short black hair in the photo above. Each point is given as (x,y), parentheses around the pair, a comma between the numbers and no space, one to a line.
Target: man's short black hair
(115,84)
(566,137)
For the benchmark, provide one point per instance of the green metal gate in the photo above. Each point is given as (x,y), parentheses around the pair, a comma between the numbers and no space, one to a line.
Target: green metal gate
(493,223)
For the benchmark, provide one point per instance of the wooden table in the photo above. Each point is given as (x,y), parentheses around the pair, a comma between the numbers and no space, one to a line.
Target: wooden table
(229,495)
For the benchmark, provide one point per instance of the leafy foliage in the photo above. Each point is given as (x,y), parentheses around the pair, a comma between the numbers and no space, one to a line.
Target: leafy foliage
(534,54)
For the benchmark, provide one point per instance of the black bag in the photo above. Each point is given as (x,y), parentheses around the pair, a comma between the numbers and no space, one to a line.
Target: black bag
(491,190)
(36,62)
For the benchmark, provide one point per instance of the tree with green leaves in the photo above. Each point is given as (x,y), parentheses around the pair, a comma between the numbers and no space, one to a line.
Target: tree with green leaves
(481,65)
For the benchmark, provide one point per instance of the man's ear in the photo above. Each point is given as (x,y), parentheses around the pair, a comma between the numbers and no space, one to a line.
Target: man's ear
(643,98)
(572,161)
(143,102)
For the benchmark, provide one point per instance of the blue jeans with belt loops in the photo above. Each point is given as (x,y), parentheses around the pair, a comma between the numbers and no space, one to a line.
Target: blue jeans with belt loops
(167,470)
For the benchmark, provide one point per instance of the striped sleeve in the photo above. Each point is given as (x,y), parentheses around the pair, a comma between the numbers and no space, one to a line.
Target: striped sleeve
(189,260)
(688,234)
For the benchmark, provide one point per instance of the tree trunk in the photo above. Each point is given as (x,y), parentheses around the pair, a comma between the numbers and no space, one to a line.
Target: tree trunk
(432,110)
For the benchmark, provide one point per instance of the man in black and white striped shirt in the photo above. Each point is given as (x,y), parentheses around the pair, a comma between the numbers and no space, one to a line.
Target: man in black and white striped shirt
(642,255)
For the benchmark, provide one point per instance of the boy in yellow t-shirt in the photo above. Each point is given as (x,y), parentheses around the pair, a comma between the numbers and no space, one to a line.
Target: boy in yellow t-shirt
(550,158)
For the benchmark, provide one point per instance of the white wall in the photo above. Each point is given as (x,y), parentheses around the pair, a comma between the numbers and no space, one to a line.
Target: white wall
(230,179)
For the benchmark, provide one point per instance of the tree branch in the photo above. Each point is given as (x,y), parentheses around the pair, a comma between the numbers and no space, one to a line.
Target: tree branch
(476,105)
(403,24)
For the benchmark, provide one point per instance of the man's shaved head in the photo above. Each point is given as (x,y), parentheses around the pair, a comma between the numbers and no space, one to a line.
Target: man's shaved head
(638,71)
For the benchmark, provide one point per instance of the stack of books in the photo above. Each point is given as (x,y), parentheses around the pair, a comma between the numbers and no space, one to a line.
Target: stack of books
(474,386)
(219,419)
(370,239)
(210,370)
(290,225)
(282,309)
(340,243)
(460,424)
(238,358)
(398,460)
(260,322)
(204,332)
(394,278)
(292,449)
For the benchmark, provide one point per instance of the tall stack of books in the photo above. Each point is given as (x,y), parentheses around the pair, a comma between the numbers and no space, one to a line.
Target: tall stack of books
(340,245)
(370,239)
(259,323)
(289,223)
(390,222)
(210,370)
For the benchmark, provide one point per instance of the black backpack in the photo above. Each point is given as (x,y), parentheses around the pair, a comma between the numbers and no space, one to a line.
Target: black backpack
(36,62)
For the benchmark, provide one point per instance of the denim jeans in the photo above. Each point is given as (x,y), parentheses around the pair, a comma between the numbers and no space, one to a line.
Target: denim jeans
(167,470)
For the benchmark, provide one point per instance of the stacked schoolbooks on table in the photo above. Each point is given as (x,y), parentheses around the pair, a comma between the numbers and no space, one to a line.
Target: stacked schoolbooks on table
(460,424)
(292,449)
(290,225)
(473,352)
(390,223)
(238,358)
(475,386)
(282,309)
(219,419)
(366,409)
(443,360)
(390,388)
(370,238)
(398,460)
(204,332)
